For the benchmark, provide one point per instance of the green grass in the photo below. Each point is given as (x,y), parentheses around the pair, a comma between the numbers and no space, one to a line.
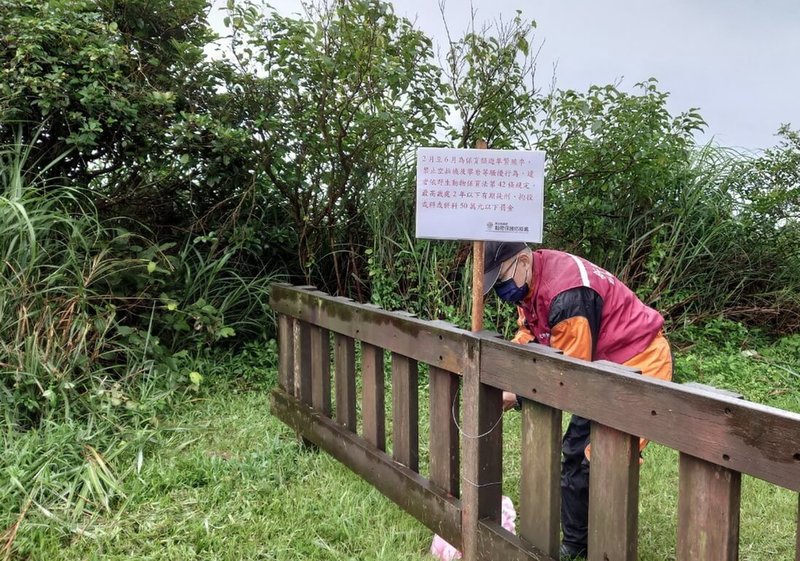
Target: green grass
(225,479)
(96,323)
(768,514)
(234,483)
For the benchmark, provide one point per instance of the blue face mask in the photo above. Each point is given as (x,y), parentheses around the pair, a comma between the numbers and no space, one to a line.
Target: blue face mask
(509,292)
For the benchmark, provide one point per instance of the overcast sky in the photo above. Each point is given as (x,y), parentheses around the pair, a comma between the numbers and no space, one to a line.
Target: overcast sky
(737,60)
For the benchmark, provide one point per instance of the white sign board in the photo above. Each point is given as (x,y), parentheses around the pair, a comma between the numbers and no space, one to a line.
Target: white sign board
(485,195)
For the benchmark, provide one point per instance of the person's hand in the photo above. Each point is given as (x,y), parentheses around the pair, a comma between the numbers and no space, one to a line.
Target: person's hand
(509,401)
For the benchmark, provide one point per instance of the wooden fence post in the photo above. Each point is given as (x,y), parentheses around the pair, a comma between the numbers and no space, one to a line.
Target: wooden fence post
(444,448)
(302,361)
(373,405)
(540,485)
(321,370)
(286,353)
(481,484)
(708,511)
(344,359)
(613,495)
(405,411)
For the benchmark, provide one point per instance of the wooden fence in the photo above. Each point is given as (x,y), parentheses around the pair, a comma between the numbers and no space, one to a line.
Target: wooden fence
(719,437)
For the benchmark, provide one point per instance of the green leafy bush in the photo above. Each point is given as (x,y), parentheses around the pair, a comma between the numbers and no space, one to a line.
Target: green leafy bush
(93,349)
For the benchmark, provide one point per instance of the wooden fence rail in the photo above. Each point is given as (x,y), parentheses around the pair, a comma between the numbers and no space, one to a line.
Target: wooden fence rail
(718,437)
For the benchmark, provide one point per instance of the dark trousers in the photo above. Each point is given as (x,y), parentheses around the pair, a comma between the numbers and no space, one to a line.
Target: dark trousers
(575,484)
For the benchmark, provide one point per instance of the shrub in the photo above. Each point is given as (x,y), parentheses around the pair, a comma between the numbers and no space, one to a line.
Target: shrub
(97,326)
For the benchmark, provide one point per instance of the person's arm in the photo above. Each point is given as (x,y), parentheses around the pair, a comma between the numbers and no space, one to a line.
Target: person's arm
(575,322)
(523,336)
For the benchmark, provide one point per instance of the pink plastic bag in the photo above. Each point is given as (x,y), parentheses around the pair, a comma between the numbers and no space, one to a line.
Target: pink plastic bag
(446,552)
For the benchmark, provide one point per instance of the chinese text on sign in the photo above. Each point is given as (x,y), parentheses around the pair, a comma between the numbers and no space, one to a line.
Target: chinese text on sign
(479,194)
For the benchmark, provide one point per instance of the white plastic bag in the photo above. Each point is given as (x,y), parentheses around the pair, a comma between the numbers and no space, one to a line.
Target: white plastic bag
(446,552)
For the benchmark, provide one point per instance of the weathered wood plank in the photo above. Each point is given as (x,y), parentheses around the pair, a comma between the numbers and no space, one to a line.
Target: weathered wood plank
(286,353)
(373,407)
(481,482)
(477,273)
(302,361)
(444,445)
(434,343)
(495,543)
(540,480)
(490,453)
(709,497)
(345,379)
(424,501)
(613,495)
(321,370)
(712,389)
(405,411)
(746,437)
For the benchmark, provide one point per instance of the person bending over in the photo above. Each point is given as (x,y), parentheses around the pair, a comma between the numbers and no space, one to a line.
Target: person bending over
(568,303)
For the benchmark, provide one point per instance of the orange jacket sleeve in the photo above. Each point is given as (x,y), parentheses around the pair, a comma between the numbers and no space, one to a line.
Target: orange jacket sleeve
(523,336)
(574,319)
(574,337)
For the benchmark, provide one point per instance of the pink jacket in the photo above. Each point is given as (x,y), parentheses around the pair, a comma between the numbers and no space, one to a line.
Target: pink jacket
(627,326)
